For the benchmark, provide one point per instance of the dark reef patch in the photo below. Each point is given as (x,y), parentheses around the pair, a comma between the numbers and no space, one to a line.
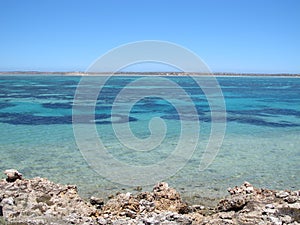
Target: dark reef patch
(30,119)
(4,105)
(261,122)
(266,112)
(57,105)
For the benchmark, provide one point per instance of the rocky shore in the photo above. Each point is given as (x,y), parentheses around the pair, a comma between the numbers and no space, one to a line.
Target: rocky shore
(40,201)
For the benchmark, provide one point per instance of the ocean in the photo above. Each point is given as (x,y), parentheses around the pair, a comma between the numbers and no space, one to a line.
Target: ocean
(261,142)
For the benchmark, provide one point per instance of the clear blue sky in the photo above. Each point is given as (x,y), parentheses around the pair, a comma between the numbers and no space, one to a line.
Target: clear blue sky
(229,35)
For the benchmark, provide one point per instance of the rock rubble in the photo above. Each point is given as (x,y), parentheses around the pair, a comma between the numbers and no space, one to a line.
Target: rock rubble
(40,201)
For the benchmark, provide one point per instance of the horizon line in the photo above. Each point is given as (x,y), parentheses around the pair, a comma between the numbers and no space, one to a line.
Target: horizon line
(143,72)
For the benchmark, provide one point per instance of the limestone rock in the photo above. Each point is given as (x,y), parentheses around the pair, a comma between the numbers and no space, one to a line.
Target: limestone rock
(167,198)
(40,201)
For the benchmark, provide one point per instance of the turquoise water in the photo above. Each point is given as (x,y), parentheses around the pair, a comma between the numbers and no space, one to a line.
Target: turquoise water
(261,143)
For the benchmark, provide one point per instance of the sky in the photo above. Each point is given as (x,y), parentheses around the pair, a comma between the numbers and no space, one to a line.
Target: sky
(250,36)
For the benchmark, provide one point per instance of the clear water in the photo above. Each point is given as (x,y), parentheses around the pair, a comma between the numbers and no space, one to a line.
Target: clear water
(261,143)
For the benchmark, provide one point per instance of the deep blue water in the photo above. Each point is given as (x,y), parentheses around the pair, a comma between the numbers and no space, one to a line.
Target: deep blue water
(261,143)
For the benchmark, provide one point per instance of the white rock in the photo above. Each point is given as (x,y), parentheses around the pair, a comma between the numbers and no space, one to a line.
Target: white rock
(270,211)
(270,206)
(282,194)
(295,205)
(275,220)
(127,195)
(247,184)
(286,219)
(7,201)
(199,207)
(101,221)
(249,189)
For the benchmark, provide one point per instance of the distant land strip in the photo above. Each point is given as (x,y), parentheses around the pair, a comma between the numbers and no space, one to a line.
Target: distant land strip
(79,73)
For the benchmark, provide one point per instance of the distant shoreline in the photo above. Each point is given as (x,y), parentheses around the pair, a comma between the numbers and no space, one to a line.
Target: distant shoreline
(79,73)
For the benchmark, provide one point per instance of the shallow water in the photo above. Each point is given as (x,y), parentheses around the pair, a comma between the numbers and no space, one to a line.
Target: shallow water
(261,143)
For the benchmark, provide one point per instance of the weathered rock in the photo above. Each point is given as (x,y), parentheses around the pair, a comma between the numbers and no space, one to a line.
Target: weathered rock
(226,215)
(282,194)
(197,207)
(165,217)
(249,205)
(101,221)
(291,199)
(162,198)
(235,203)
(169,199)
(98,202)
(138,188)
(146,206)
(269,209)
(12,175)
(39,201)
